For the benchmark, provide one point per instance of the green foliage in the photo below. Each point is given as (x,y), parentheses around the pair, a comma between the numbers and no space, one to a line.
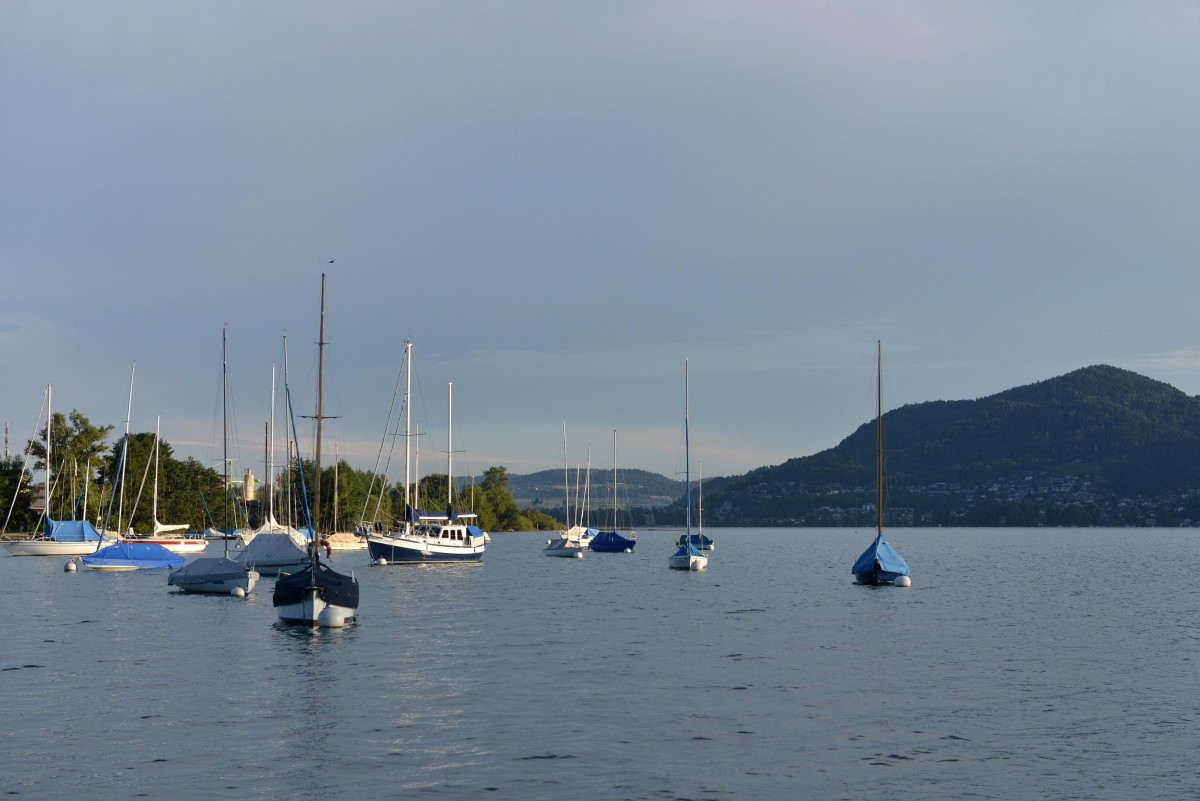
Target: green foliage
(16,496)
(1099,429)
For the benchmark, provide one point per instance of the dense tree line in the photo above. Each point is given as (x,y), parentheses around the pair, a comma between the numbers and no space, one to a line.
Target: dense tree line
(87,469)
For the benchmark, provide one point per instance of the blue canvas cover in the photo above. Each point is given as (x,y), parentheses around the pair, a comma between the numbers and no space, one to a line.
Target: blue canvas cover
(610,542)
(134,554)
(890,560)
(71,531)
(475,531)
(688,550)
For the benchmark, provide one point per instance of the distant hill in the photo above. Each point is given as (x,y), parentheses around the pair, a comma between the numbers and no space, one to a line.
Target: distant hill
(638,488)
(1086,440)
(1098,446)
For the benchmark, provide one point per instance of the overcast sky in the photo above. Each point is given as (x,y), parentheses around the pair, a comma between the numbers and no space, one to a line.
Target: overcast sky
(560,202)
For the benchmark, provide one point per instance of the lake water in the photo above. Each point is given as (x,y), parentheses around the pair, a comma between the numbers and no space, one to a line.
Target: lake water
(1021,664)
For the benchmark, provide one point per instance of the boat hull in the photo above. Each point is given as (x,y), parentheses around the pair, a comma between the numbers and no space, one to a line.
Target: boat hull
(301,597)
(307,612)
(420,551)
(48,548)
(688,562)
(564,549)
(214,575)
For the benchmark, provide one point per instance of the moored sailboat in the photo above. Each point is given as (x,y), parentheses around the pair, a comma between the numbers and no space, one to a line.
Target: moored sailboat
(688,556)
(74,537)
(316,594)
(880,563)
(428,537)
(563,546)
(612,541)
(218,574)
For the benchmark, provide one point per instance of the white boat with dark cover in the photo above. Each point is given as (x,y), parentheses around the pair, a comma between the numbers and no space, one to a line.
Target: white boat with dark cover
(218,574)
(315,595)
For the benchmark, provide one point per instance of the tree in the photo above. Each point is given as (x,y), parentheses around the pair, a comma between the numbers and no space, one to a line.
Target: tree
(74,444)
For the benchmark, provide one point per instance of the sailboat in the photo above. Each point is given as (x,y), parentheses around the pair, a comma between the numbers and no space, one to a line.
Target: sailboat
(341,540)
(612,541)
(428,537)
(880,563)
(688,556)
(63,537)
(162,533)
(563,545)
(218,574)
(698,538)
(127,555)
(273,547)
(316,594)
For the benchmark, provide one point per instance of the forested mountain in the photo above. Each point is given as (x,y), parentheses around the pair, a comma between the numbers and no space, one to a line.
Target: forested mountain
(1094,446)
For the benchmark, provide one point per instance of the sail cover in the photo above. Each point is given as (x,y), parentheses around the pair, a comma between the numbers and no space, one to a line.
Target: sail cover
(274,548)
(209,569)
(889,558)
(335,588)
(133,554)
(72,531)
(610,541)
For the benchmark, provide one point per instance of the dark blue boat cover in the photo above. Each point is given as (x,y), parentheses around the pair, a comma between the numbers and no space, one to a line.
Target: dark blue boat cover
(475,531)
(71,531)
(334,588)
(610,542)
(134,554)
(889,558)
(699,540)
(688,550)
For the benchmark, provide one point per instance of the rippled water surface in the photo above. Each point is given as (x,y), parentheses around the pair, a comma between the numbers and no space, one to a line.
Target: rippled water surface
(1022,664)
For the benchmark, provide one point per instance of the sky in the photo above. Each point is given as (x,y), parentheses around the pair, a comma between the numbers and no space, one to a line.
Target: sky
(559,204)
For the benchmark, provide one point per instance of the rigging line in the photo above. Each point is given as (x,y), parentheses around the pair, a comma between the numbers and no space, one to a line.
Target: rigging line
(379,454)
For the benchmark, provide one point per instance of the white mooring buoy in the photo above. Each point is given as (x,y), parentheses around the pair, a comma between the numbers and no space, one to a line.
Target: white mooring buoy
(381,561)
(579,554)
(903,581)
(69,567)
(329,618)
(238,592)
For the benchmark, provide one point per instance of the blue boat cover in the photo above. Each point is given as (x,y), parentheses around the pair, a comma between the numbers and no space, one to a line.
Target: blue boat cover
(134,554)
(475,531)
(71,531)
(699,540)
(610,542)
(688,550)
(889,558)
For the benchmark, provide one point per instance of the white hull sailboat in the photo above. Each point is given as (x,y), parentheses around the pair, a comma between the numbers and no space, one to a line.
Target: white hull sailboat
(218,574)
(688,556)
(63,537)
(564,545)
(316,594)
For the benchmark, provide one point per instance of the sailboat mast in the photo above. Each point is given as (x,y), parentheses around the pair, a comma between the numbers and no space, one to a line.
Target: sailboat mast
(450,444)
(566,484)
(49,436)
(407,424)
(687,452)
(225,427)
(878,436)
(614,482)
(154,500)
(316,521)
(270,445)
(125,450)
